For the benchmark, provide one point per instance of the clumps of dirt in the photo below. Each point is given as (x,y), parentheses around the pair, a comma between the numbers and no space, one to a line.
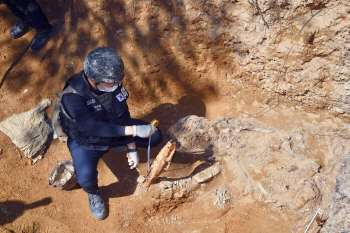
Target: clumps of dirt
(268,164)
(252,162)
(167,193)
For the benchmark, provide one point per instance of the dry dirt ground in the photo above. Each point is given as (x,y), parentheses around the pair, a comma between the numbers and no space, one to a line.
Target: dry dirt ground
(272,178)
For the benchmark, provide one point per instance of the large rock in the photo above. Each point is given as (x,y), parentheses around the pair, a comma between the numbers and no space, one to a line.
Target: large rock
(339,218)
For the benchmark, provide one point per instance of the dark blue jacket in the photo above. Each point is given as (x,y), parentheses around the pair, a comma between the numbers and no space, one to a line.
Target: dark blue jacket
(84,118)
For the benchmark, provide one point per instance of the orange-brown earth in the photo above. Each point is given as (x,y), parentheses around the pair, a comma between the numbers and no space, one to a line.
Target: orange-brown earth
(179,61)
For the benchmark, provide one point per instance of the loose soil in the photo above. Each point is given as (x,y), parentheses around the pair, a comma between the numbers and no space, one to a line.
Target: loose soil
(172,71)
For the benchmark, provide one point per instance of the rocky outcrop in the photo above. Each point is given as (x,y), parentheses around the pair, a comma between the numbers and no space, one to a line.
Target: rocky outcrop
(297,50)
(339,217)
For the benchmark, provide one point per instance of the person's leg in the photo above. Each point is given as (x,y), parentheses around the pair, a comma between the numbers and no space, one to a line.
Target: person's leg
(22,26)
(32,11)
(14,10)
(85,164)
(36,17)
(156,138)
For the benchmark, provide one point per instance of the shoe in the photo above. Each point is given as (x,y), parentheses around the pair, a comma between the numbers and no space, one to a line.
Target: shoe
(97,206)
(42,37)
(20,29)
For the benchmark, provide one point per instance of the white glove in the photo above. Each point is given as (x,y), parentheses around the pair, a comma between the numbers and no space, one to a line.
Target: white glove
(144,131)
(133,160)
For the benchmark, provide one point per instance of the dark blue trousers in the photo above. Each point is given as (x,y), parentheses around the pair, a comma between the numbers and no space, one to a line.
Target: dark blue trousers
(28,10)
(85,161)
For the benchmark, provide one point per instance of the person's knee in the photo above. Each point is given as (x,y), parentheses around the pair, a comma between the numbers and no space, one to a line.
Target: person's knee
(86,181)
(157,138)
(86,177)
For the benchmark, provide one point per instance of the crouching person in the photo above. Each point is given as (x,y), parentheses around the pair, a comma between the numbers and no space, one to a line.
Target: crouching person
(95,116)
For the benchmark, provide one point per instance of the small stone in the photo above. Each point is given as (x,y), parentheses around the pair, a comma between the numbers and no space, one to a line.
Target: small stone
(293,168)
(140,179)
(339,110)
(166,185)
(299,136)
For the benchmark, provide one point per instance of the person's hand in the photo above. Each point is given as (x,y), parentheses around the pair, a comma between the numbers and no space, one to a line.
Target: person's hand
(144,131)
(133,160)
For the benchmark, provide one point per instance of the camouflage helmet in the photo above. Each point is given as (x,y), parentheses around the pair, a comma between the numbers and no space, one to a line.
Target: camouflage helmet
(104,65)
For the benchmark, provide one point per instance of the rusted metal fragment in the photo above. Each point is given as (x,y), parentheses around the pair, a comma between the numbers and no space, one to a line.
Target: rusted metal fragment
(161,163)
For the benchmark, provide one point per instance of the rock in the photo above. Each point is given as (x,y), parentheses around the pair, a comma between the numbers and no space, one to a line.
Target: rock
(140,179)
(207,174)
(166,184)
(339,220)
(292,168)
(299,136)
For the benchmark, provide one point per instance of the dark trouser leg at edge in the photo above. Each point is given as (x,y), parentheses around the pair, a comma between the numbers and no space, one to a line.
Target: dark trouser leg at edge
(29,13)
(22,26)
(85,164)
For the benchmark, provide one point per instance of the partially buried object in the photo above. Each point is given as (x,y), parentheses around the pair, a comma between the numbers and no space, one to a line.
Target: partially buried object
(161,163)
(63,176)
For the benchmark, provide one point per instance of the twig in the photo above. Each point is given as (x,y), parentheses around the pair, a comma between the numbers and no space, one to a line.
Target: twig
(342,136)
(336,162)
(323,183)
(255,3)
(274,5)
(259,154)
(295,40)
(268,20)
(301,223)
(242,12)
(252,114)
(312,220)
(331,135)
(344,17)
(245,172)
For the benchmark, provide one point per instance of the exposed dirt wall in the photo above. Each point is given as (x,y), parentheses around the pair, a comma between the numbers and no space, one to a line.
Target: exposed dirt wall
(296,49)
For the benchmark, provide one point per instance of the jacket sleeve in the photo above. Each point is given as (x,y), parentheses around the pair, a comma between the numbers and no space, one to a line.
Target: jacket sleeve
(76,108)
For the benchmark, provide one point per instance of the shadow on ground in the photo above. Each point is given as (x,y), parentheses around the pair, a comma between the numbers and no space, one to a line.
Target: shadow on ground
(11,210)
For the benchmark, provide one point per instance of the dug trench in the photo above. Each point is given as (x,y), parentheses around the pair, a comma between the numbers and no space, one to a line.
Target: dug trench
(259,114)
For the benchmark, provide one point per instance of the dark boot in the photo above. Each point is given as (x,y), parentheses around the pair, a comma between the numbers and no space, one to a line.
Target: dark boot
(20,29)
(97,205)
(41,37)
